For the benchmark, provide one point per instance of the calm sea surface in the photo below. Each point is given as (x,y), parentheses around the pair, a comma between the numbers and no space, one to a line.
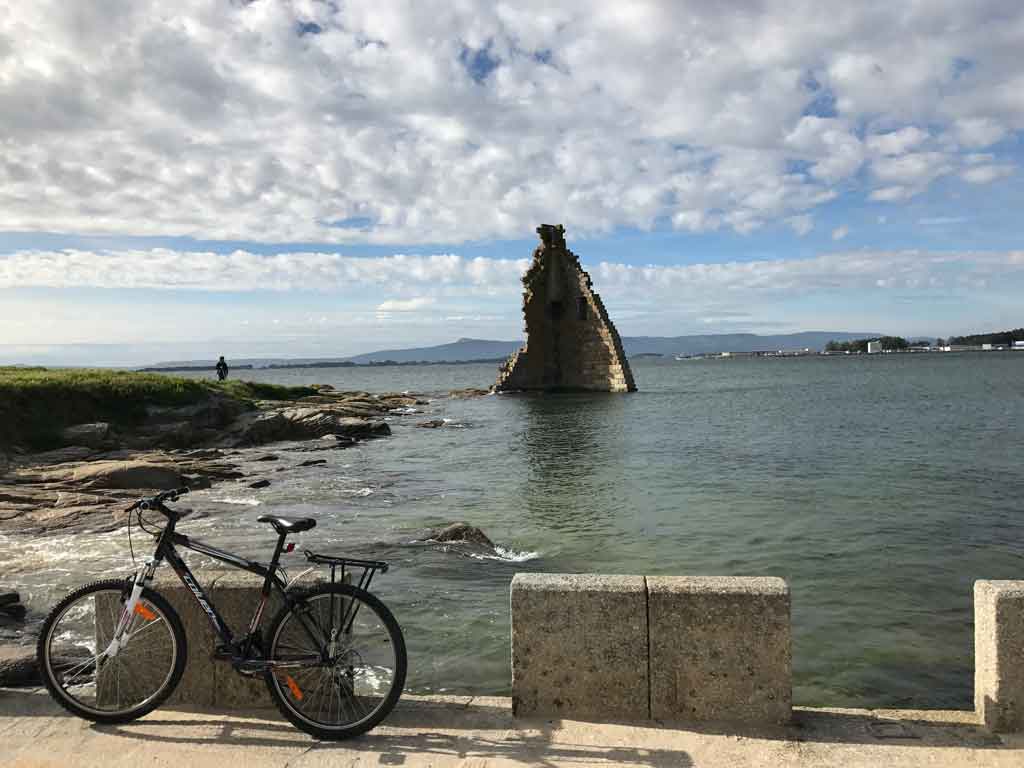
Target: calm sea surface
(879,487)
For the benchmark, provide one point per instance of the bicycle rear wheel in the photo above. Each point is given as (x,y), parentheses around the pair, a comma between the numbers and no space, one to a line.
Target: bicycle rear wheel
(338,662)
(87,676)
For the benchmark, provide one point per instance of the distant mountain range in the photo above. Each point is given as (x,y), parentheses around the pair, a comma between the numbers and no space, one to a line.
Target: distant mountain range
(471,350)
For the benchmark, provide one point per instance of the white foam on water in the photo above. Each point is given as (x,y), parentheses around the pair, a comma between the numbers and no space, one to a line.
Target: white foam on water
(507,555)
(246,501)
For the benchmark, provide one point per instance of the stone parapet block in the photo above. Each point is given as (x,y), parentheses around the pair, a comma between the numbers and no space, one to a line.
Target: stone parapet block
(579,646)
(237,596)
(999,654)
(206,682)
(720,648)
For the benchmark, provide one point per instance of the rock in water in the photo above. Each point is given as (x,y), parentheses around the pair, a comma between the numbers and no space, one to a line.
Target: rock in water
(432,424)
(260,484)
(571,343)
(18,665)
(461,532)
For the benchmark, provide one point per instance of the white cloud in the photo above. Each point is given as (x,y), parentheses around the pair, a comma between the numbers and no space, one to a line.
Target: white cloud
(801,224)
(891,194)
(164,269)
(419,282)
(897,142)
(840,232)
(983,174)
(406,305)
(977,132)
(221,121)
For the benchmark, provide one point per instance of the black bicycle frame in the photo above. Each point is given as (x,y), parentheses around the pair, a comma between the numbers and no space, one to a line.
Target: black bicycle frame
(165,550)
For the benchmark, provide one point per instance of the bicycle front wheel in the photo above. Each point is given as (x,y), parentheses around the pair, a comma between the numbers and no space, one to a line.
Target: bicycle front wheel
(337,662)
(111,683)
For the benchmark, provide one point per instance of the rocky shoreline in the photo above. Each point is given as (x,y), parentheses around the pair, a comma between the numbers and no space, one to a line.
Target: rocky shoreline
(86,484)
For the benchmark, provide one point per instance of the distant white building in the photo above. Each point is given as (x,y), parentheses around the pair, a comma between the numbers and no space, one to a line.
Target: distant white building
(1018,345)
(874,347)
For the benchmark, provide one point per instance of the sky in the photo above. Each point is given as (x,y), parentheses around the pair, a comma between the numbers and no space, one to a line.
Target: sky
(307,178)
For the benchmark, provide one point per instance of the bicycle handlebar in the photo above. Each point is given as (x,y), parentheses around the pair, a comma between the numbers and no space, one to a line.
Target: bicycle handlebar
(157,502)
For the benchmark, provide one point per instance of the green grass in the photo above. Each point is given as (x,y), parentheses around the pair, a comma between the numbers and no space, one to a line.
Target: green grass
(37,403)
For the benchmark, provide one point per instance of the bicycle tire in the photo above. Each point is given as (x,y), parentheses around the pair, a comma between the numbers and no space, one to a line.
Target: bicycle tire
(388,701)
(49,671)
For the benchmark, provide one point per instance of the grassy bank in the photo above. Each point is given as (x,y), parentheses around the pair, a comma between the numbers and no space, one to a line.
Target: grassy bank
(37,403)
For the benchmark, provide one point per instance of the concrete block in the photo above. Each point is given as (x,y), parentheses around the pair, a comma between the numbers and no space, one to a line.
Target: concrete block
(999,654)
(237,595)
(720,648)
(196,685)
(579,646)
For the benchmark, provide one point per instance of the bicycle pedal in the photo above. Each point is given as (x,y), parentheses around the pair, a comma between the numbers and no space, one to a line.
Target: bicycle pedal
(225,653)
(251,668)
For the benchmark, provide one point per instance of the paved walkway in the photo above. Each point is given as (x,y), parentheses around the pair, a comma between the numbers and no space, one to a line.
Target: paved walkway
(479,732)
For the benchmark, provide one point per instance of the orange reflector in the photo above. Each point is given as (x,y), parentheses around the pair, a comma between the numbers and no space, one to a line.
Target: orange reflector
(144,612)
(294,687)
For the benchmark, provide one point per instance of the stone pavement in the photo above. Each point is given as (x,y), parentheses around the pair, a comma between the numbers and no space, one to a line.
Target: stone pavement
(478,732)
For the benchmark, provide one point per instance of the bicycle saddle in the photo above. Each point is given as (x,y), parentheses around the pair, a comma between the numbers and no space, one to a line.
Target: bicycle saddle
(288,524)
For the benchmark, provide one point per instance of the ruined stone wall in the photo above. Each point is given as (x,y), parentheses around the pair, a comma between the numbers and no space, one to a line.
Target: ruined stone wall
(571,343)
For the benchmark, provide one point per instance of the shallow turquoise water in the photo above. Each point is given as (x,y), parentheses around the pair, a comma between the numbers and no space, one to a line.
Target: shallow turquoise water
(879,487)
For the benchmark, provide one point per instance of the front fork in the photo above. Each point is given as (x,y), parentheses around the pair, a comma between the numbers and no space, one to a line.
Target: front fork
(141,578)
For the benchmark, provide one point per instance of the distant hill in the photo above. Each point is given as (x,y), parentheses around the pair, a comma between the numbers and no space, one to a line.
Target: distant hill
(469,350)
(480,349)
(463,349)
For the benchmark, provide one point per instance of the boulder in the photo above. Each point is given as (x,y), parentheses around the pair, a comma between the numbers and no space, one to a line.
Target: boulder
(93,435)
(8,598)
(18,666)
(461,532)
(469,392)
(325,443)
(305,423)
(61,455)
(15,612)
(128,474)
(432,424)
(312,462)
(260,484)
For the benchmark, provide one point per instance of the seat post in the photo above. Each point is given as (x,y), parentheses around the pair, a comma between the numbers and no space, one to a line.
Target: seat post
(278,550)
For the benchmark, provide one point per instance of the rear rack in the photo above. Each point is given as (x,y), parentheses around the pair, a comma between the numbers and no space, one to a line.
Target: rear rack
(370,567)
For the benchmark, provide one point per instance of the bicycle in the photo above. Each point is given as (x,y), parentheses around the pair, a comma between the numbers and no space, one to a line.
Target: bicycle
(334,660)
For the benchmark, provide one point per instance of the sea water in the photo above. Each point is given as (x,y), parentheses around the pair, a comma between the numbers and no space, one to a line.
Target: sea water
(879,487)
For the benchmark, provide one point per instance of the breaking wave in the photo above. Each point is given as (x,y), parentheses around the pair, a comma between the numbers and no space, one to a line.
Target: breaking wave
(506,555)
(245,501)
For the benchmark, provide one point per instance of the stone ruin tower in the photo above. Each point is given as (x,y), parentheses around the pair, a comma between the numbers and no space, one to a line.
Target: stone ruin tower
(570,342)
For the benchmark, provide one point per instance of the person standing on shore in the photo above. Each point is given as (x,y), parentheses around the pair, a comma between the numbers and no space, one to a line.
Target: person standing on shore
(222,369)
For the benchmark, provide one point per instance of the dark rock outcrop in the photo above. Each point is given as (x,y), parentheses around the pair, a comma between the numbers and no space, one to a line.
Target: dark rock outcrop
(18,666)
(460,532)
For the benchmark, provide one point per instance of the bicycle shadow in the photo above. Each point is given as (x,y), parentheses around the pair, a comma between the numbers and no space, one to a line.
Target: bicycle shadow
(423,728)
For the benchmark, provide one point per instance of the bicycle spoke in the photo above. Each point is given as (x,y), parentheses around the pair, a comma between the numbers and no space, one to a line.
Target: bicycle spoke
(355,678)
(110,683)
